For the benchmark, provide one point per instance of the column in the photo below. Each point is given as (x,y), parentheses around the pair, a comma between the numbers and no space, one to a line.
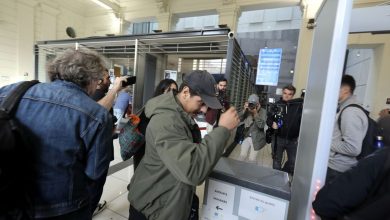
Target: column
(164,21)
(229,15)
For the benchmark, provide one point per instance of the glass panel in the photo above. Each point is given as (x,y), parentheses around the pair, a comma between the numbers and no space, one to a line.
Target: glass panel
(271,28)
(195,23)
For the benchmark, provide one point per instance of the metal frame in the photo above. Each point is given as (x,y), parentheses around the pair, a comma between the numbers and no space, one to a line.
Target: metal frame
(213,41)
(319,112)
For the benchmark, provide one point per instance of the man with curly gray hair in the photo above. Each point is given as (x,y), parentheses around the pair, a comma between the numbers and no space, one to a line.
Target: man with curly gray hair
(70,135)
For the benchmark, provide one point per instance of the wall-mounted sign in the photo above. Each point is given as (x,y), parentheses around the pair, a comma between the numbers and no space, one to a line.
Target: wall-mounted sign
(170,74)
(268,66)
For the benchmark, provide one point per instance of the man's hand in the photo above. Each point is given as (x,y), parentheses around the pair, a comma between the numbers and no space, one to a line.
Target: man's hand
(246,104)
(384,112)
(229,119)
(117,86)
(274,125)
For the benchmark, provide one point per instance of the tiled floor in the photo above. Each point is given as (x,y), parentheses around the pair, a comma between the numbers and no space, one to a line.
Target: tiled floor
(115,189)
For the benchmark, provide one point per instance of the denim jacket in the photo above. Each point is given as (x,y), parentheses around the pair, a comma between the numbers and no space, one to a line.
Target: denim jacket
(70,135)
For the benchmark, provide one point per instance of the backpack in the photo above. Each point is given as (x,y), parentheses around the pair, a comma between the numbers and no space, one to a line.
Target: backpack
(368,145)
(15,158)
(373,206)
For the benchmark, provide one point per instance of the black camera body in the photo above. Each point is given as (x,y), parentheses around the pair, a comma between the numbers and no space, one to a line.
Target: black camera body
(129,81)
(252,106)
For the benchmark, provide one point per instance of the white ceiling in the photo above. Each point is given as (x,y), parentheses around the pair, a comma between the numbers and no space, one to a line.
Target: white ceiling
(364,19)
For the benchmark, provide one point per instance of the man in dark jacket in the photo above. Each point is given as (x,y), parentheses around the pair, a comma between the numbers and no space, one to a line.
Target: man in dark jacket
(212,115)
(164,183)
(286,129)
(362,192)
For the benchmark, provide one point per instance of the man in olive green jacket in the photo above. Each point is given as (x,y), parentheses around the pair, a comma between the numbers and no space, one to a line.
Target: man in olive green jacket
(165,180)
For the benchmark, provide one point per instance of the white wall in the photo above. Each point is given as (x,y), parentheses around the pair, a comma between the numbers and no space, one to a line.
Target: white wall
(360,66)
(8,36)
(101,22)
(68,18)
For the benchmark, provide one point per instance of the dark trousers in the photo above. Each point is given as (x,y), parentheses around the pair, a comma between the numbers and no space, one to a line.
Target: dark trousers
(95,190)
(290,146)
(83,213)
(331,175)
(194,214)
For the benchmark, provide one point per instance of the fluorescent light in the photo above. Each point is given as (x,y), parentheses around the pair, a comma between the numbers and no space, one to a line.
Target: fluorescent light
(101,4)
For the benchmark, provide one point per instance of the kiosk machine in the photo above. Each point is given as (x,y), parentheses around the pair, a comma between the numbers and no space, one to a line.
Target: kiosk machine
(236,190)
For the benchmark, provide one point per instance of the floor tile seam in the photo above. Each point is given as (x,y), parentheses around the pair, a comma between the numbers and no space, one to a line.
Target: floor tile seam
(118,178)
(126,217)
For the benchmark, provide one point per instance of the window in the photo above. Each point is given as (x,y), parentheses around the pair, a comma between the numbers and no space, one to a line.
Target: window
(143,27)
(213,66)
(195,22)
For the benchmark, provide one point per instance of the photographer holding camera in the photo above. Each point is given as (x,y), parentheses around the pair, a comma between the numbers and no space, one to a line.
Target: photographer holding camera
(284,123)
(253,118)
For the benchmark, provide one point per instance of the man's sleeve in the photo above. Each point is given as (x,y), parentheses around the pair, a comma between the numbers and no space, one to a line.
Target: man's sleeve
(189,162)
(354,124)
(350,189)
(99,145)
(260,119)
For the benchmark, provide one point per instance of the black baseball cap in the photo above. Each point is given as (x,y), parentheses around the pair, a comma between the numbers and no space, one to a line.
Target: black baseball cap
(204,85)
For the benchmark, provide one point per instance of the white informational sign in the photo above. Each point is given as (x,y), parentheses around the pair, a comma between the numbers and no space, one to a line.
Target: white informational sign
(268,66)
(170,74)
(220,196)
(256,206)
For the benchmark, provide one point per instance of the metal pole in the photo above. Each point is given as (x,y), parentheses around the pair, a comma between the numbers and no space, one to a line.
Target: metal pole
(135,74)
(319,112)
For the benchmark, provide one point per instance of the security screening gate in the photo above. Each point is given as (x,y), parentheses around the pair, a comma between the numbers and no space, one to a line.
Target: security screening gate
(136,51)
(236,190)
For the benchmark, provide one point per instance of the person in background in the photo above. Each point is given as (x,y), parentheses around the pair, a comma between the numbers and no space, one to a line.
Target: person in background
(176,158)
(384,112)
(347,138)
(253,118)
(286,131)
(106,98)
(122,102)
(212,115)
(70,135)
(362,192)
(164,86)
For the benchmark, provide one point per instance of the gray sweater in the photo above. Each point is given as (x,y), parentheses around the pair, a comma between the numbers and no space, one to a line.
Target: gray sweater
(347,142)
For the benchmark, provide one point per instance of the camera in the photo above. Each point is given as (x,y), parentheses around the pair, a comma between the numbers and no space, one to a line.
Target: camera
(129,81)
(276,112)
(252,106)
